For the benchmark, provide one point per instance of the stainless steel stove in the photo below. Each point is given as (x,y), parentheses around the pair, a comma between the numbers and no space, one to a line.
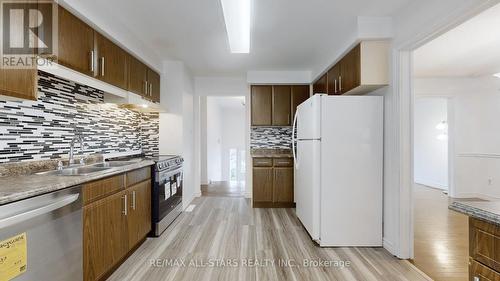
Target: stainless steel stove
(166,196)
(166,193)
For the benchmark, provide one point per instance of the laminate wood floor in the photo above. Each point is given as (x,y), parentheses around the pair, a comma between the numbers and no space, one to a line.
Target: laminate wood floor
(441,236)
(223,189)
(228,229)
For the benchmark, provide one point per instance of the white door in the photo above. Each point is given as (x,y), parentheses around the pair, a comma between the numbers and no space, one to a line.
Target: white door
(307,185)
(308,119)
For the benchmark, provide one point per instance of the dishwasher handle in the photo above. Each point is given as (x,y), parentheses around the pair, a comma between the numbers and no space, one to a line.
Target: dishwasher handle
(32,213)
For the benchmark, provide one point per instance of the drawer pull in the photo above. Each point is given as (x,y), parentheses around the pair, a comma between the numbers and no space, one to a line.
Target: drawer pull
(125,205)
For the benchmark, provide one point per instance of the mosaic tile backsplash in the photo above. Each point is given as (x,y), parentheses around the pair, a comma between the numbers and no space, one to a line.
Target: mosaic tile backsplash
(271,137)
(43,129)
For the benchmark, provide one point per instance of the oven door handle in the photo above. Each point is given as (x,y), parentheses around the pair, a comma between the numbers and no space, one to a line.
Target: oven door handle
(171,173)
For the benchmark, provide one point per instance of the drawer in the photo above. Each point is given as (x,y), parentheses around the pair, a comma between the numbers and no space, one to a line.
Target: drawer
(283,162)
(138,176)
(485,243)
(96,190)
(479,272)
(262,162)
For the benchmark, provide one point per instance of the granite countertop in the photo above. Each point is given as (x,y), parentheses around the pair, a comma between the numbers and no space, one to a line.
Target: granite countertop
(488,211)
(271,153)
(16,188)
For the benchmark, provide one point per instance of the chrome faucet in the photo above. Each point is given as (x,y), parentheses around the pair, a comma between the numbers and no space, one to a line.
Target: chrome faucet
(78,137)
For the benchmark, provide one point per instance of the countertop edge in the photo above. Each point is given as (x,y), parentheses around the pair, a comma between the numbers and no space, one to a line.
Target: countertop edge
(70,182)
(475,212)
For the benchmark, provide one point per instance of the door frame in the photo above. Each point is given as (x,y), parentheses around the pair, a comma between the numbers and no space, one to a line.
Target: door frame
(404,102)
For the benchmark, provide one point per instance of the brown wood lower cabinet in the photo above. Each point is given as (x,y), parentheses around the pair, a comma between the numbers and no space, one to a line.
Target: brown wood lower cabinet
(479,272)
(484,250)
(116,224)
(273,183)
(105,239)
(139,212)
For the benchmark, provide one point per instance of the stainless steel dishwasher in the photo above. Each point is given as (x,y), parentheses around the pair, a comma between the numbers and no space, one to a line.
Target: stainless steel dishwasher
(49,229)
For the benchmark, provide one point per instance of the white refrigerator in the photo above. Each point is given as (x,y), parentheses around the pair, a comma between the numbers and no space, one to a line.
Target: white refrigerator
(338,151)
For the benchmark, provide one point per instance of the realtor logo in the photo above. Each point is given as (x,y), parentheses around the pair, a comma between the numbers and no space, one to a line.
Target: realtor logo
(29,31)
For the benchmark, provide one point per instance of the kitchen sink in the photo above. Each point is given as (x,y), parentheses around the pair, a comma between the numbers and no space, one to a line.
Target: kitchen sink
(76,171)
(112,164)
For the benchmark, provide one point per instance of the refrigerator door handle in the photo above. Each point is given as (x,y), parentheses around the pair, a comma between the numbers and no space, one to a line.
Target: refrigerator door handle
(294,129)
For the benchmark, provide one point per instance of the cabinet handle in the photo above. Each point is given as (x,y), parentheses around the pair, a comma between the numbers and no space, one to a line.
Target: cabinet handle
(102,66)
(92,63)
(133,200)
(151,89)
(340,83)
(145,87)
(335,86)
(288,118)
(125,205)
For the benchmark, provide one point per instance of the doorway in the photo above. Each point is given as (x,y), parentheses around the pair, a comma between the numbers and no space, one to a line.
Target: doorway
(454,92)
(223,153)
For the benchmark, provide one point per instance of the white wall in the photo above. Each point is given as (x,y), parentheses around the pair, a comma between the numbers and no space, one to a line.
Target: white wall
(430,153)
(476,133)
(177,125)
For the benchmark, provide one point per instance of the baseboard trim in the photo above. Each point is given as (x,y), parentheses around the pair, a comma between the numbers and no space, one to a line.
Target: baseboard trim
(431,184)
(389,246)
(476,195)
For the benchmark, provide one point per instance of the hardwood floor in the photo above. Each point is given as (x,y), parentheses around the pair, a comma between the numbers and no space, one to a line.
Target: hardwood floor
(223,189)
(228,228)
(441,236)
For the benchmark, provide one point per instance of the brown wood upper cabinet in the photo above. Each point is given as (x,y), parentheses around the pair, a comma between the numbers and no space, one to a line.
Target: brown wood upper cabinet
(300,93)
(76,43)
(333,80)
(321,85)
(363,69)
(137,77)
(111,62)
(282,105)
(154,85)
(142,80)
(261,101)
(18,83)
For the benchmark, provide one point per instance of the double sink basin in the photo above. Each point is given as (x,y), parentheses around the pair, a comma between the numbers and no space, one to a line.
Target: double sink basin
(86,169)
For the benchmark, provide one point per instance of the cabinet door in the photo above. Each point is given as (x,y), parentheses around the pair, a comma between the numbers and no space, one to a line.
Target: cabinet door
(76,43)
(478,271)
(19,83)
(262,184)
(283,185)
(105,236)
(300,93)
(139,216)
(137,76)
(154,85)
(112,62)
(282,105)
(261,105)
(333,80)
(321,85)
(350,70)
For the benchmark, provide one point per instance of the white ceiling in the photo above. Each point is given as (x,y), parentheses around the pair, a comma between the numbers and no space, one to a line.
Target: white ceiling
(471,49)
(286,34)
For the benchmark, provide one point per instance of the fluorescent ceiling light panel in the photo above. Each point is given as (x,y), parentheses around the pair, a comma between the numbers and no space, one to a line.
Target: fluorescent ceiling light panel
(237,19)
